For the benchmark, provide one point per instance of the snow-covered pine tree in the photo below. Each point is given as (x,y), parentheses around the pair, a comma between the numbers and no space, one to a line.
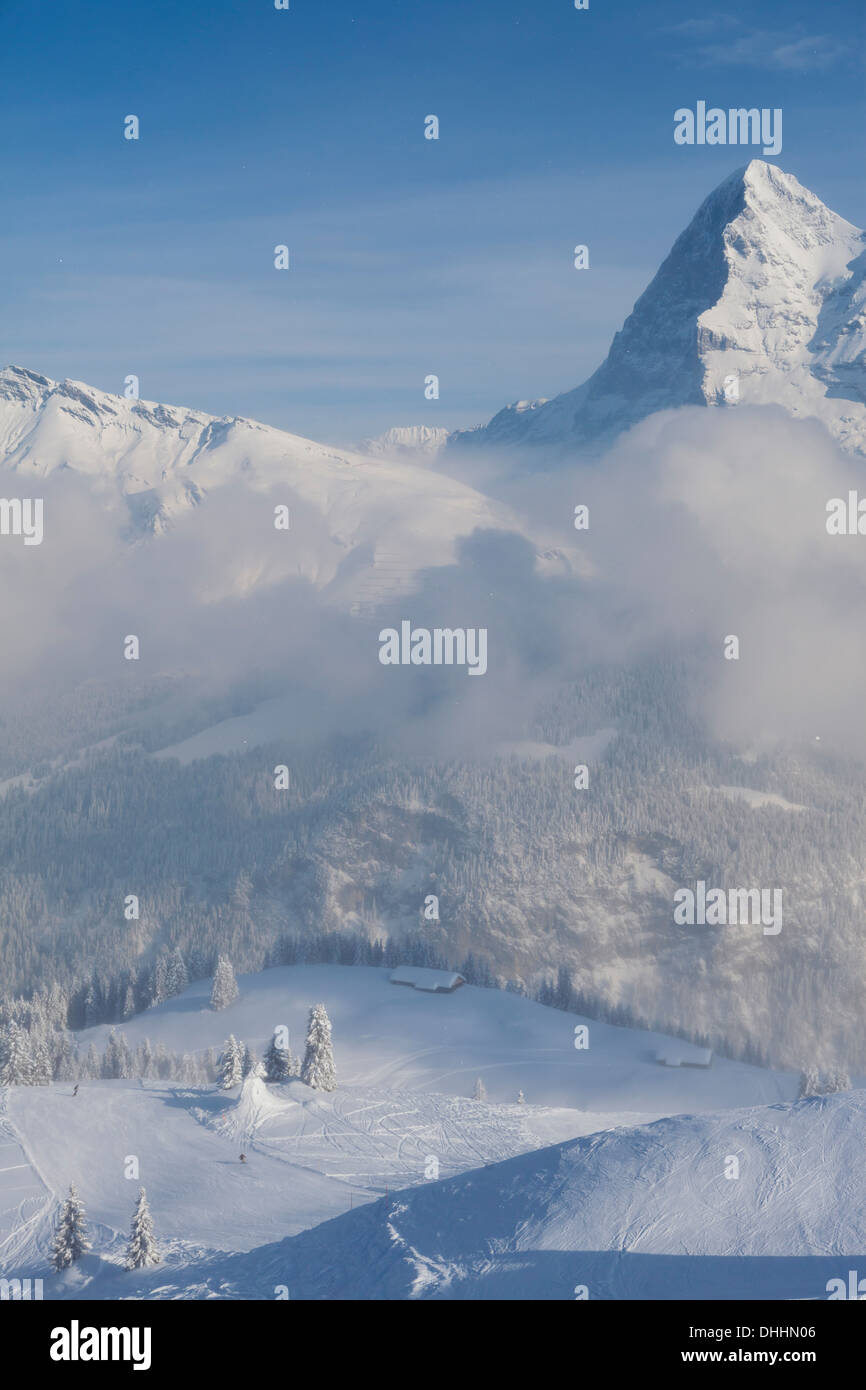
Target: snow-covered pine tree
(70,1240)
(128,1003)
(117,1061)
(143,1061)
(225,989)
(91,1006)
(159,985)
(17,1066)
(318,1068)
(521,1098)
(836,1080)
(43,1066)
(242,892)
(251,1065)
(480,1091)
(176,978)
(162,1062)
(230,1064)
(278,1061)
(142,1248)
(810,1083)
(58,1007)
(67,1065)
(110,1062)
(564,989)
(188,1070)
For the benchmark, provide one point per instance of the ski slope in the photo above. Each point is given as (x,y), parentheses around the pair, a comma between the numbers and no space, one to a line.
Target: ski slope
(646,1213)
(400,1166)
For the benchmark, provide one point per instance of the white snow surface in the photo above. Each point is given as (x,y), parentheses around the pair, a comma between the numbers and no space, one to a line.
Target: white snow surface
(360,526)
(399,1132)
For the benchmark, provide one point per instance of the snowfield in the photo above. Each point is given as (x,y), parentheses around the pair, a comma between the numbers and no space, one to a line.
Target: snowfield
(399,1185)
(388,1037)
(646,1213)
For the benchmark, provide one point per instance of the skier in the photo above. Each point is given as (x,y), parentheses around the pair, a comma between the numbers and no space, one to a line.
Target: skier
(75,1092)
(243,1158)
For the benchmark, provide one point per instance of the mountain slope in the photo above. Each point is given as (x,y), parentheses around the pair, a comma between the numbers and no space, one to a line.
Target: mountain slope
(402,1117)
(766,285)
(363,525)
(634,1213)
(628,1213)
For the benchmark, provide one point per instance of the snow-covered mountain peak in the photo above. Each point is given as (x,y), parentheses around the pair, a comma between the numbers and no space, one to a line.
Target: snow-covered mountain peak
(415,442)
(760,301)
(16,383)
(20,386)
(778,201)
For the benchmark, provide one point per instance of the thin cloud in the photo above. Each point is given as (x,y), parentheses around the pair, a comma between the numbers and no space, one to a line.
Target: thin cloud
(723,42)
(812,53)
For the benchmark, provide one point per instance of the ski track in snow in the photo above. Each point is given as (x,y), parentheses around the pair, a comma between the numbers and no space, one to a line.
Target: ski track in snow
(26,1206)
(229,1230)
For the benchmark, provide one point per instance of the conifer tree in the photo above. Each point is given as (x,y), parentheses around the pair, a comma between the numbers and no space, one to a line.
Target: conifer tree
(159,986)
(251,1066)
(176,978)
(225,989)
(142,1248)
(70,1240)
(43,1067)
(278,1061)
(318,1068)
(17,1065)
(837,1080)
(67,1066)
(231,1064)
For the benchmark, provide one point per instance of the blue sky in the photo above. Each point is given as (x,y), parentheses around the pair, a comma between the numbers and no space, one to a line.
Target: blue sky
(409,256)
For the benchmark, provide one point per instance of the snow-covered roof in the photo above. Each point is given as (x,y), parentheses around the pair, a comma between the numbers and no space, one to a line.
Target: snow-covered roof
(685,1055)
(420,977)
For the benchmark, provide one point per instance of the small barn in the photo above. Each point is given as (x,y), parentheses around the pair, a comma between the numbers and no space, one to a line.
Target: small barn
(684,1055)
(430,981)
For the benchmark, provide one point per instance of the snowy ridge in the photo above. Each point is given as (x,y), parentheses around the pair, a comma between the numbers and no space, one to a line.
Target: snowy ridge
(359,525)
(418,443)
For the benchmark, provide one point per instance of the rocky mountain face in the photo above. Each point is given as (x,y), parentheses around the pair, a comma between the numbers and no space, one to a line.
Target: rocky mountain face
(760,301)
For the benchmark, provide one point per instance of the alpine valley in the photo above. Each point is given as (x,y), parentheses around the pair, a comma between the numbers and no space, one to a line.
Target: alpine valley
(248,778)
